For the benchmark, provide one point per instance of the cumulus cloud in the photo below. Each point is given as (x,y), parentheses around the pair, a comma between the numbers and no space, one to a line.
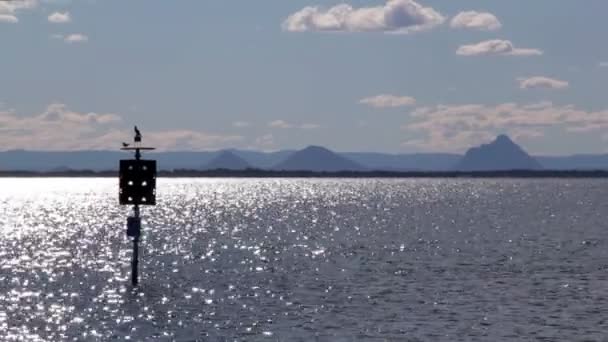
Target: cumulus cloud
(388,101)
(76,38)
(399,16)
(59,18)
(476,20)
(457,127)
(496,47)
(60,128)
(56,127)
(540,82)
(9,9)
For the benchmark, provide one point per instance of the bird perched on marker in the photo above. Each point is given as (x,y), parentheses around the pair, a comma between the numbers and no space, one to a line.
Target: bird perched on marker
(137,135)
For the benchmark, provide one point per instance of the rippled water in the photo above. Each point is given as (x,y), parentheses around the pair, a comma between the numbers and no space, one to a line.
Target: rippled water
(307,260)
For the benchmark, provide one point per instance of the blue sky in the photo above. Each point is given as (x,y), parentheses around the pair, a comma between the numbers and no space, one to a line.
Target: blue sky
(389,76)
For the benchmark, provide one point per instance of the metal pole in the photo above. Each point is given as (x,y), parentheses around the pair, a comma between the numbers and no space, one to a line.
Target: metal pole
(135,260)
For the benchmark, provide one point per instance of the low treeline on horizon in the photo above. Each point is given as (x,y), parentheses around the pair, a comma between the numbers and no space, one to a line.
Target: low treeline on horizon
(502,156)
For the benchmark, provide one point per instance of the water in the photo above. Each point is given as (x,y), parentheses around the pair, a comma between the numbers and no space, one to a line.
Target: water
(307,260)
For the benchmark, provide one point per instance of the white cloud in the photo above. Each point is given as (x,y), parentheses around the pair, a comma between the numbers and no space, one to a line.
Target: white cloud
(76,38)
(56,127)
(496,47)
(241,124)
(457,127)
(59,18)
(388,101)
(59,128)
(539,82)
(9,9)
(476,20)
(8,18)
(280,124)
(399,16)
(309,126)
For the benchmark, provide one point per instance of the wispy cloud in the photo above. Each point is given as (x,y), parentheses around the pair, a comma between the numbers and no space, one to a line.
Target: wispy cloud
(282,124)
(476,20)
(309,126)
(71,38)
(399,16)
(541,82)
(76,38)
(388,101)
(496,47)
(241,124)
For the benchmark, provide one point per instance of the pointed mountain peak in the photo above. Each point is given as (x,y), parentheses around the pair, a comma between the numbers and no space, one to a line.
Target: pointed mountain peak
(316,149)
(317,158)
(503,139)
(501,154)
(227,160)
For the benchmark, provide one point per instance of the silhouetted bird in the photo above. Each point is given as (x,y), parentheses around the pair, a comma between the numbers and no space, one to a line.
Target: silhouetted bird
(124,144)
(137,135)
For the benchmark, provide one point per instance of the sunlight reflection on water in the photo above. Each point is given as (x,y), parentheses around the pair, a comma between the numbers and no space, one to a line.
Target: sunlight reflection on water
(292,260)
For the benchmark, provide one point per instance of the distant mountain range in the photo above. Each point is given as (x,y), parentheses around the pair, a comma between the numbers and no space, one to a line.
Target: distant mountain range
(501,154)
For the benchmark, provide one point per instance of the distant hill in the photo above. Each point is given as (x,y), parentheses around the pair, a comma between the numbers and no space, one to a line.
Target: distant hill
(501,154)
(316,158)
(227,160)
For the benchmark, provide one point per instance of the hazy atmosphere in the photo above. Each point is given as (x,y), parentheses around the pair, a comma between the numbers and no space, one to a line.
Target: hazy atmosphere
(395,76)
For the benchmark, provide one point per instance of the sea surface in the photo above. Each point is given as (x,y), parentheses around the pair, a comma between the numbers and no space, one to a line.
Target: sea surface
(307,260)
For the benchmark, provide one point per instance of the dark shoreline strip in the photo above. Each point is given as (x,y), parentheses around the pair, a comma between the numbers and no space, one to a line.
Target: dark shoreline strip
(255,173)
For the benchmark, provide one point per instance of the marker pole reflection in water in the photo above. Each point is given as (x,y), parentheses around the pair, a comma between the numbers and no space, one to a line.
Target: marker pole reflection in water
(134,232)
(137,186)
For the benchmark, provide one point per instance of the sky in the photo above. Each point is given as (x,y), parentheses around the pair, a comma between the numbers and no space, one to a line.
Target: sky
(397,76)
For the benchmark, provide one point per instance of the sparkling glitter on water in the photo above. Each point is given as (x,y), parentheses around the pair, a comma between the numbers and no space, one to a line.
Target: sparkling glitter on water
(307,260)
